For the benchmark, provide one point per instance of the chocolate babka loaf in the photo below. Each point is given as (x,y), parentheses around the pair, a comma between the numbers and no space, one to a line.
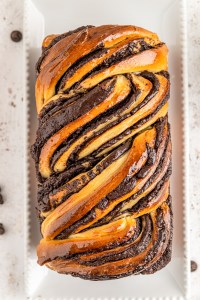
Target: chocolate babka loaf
(103,152)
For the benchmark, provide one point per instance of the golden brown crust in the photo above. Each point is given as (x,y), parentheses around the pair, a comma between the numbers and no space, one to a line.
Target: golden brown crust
(103,152)
(68,50)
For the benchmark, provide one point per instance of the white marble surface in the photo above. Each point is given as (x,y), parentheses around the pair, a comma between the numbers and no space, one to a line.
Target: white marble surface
(12,139)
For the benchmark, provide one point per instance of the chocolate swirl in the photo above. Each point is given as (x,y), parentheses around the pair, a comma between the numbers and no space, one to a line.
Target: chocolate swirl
(103,152)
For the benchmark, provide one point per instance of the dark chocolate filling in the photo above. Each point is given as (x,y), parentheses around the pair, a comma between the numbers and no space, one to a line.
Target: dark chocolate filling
(116,110)
(69,113)
(45,50)
(127,131)
(55,181)
(127,240)
(117,210)
(128,50)
(96,121)
(63,111)
(76,185)
(129,251)
(142,266)
(166,257)
(104,117)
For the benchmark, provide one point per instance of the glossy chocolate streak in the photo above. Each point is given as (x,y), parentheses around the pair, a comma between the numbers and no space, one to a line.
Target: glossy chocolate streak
(98,52)
(127,249)
(121,190)
(72,111)
(132,48)
(113,245)
(69,113)
(165,259)
(64,35)
(103,153)
(128,131)
(134,250)
(125,186)
(128,183)
(78,184)
(151,254)
(151,160)
(144,201)
(60,120)
(144,120)
(55,182)
(114,60)
(49,188)
(54,41)
(165,74)
(66,232)
(104,117)
(115,112)
(117,210)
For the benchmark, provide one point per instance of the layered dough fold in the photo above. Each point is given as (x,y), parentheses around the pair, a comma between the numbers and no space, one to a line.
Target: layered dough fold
(103,152)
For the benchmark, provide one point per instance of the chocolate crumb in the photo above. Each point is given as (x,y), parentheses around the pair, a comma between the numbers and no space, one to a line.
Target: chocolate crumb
(16,36)
(2,230)
(12,104)
(9,90)
(193,266)
(1,199)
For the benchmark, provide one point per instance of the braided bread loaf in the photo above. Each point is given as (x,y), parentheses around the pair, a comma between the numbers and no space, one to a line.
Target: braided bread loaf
(103,152)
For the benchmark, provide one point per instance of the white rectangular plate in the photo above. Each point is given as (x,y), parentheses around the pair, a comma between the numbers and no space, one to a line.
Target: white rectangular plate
(166,18)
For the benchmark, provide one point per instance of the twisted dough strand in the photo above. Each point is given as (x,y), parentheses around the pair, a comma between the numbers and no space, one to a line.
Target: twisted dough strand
(103,152)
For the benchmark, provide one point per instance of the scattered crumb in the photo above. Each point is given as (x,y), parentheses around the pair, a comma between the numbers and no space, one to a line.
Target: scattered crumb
(16,36)
(1,199)
(197,154)
(9,90)
(2,230)
(12,281)
(193,266)
(12,104)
